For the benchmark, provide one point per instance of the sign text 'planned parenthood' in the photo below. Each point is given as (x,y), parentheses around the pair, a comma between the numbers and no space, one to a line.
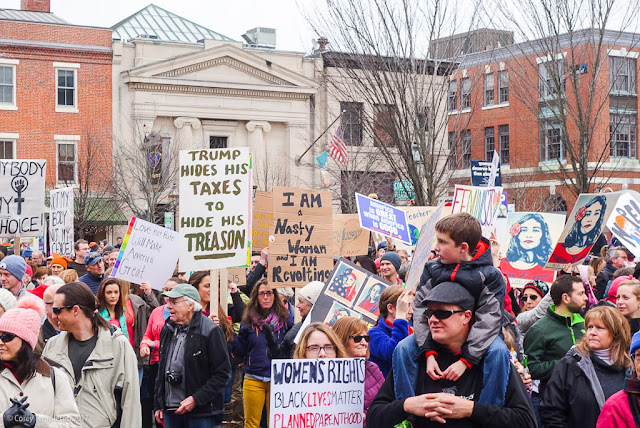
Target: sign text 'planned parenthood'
(383,218)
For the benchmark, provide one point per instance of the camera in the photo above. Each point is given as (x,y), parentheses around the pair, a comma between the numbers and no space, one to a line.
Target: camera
(174,377)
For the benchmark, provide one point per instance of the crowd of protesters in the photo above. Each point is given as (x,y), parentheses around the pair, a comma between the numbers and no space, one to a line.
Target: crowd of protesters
(81,348)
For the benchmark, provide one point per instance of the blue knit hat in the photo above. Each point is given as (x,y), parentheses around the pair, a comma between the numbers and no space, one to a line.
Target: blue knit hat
(15,265)
(392,257)
(27,252)
(635,342)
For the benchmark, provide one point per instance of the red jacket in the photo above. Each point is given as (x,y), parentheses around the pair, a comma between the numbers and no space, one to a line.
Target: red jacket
(616,412)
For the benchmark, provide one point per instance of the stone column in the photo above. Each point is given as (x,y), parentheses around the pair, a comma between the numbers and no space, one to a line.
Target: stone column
(185,127)
(257,145)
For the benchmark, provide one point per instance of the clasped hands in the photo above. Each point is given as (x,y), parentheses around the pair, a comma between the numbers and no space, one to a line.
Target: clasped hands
(439,406)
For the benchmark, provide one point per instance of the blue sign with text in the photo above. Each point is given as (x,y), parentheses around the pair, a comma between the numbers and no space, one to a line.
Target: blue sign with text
(383,218)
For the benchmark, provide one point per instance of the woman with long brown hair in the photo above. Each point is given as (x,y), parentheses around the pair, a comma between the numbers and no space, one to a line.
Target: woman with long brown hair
(264,325)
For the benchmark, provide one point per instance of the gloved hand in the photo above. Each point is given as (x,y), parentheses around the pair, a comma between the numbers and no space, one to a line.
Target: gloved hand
(18,416)
(272,342)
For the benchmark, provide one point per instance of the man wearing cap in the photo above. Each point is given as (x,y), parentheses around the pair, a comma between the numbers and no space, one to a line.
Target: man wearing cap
(109,255)
(81,249)
(12,270)
(193,368)
(389,267)
(307,297)
(449,312)
(95,271)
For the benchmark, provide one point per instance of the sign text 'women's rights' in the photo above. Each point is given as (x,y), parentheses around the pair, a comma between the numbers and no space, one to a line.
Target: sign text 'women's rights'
(22,197)
(215,208)
(386,219)
(327,392)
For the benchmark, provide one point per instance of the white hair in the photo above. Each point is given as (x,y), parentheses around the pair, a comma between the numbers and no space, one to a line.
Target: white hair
(55,280)
(196,305)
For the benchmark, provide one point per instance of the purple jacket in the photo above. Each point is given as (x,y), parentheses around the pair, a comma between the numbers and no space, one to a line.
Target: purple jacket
(373,380)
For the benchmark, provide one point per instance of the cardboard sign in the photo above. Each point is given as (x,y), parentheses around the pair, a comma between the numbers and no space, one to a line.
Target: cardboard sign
(215,214)
(22,197)
(584,225)
(322,392)
(480,202)
(423,249)
(624,223)
(238,275)
(148,253)
(350,291)
(416,218)
(527,245)
(349,239)
(481,173)
(262,220)
(302,245)
(61,221)
(382,218)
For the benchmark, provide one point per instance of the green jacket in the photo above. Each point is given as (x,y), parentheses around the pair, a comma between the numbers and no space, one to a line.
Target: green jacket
(548,340)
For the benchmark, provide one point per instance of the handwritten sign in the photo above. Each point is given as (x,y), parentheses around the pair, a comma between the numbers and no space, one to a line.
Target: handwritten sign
(423,249)
(301,250)
(480,202)
(383,218)
(416,217)
(323,392)
(148,253)
(22,197)
(349,239)
(215,215)
(238,276)
(624,223)
(262,219)
(61,221)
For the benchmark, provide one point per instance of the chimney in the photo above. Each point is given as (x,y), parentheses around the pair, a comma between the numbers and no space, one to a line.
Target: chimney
(36,5)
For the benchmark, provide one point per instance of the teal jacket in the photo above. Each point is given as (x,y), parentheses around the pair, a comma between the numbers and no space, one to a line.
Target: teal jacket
(549,339)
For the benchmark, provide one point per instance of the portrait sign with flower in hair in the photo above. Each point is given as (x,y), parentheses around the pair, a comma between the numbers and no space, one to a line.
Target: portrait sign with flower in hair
(584,225)
(527,245)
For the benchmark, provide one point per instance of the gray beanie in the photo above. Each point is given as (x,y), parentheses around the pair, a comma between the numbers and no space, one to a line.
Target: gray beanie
(394,258)
(311,291)
(7,299)
(15,265)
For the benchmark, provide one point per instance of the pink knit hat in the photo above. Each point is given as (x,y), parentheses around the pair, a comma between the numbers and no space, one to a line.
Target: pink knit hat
(24,319)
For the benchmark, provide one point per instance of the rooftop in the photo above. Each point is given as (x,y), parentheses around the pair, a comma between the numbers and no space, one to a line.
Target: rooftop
(154,22)
(29,16)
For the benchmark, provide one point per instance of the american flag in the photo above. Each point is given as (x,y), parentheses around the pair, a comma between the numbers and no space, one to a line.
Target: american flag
(337,148)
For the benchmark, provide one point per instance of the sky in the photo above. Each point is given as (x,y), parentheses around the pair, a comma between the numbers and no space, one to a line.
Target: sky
(231,18)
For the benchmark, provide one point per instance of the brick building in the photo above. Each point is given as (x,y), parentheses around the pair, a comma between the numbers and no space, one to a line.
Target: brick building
(512,99)
(55,95)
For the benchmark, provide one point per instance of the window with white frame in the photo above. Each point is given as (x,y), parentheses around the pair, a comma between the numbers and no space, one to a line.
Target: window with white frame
(489,143)
(488,89)
(7,85)
(465,143)
(552,146)
(453,95)
(66,88)
(465,93)
(623,133)
(552,78)
(7,148)
(622,74)
(67,162)
(503,87)
(503,135)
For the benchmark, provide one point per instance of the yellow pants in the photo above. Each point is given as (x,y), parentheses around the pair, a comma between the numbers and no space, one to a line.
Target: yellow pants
(255,394)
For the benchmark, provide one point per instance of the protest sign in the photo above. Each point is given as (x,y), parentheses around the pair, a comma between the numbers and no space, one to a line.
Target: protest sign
(238,276)
(416,217)
(526,247)
(480,202)
(403,190)
(423,249)
(148,253)
(383,218)
(302,245)
(22,197)
(61,221)
(481,173)
(322,392)
(262,220)
(349,239)
(584,225)
(215,215)
(624,223)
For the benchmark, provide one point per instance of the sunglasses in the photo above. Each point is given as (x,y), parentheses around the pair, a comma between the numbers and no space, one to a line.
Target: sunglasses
(442,314)
(58,309)
(358,337)
(7,337)
(533,298)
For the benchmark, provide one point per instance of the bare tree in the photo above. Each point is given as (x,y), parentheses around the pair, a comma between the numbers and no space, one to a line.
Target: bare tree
(565,77)
(379,57)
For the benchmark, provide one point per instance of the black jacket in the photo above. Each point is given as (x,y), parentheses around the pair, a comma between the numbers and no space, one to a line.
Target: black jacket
(207,366)
(256,274)
(569,399)
(603,278)
(288,344)
(385,411)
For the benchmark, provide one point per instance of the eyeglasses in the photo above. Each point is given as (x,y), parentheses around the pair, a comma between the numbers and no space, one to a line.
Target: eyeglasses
(533,298)
(175,301)
(7,337)
(633,356)
(58,309)
(329,350)
(265,294)
(442,314)
(358,337)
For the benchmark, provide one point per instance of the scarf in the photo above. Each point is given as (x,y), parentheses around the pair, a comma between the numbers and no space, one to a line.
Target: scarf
(632,389)
(273,320)
(122,320)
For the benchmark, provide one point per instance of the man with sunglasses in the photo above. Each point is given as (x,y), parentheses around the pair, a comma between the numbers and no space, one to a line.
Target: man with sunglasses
(95,271)
(456,403)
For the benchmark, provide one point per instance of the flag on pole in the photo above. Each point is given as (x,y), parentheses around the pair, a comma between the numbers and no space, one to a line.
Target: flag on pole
(322,163)
(337,148)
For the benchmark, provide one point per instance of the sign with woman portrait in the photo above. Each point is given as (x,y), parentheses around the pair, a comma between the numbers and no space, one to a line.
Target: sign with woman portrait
(584,225)
(527,246)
